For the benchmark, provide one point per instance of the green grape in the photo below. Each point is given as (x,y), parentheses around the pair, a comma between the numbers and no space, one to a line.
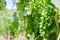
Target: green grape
(49,24)
(41,30)
(45,16)
(43,33)
(44,27)
(41,18)
(41,26)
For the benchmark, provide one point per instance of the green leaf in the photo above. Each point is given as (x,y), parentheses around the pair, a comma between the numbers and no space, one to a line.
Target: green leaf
(53,27)
(15,22)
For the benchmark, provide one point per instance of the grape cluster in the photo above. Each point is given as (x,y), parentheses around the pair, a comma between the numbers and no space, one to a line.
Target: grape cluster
(45,22)
(46,19)
(46,13)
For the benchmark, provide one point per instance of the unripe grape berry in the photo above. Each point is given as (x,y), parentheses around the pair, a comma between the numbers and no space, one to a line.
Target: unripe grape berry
(41,26)
(44,27)
(41,18)
(49,24)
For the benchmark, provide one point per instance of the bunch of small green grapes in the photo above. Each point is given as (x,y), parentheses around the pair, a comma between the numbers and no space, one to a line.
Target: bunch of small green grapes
(46,19)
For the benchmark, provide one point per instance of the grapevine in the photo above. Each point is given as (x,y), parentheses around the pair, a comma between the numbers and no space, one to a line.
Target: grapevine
(41,17)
